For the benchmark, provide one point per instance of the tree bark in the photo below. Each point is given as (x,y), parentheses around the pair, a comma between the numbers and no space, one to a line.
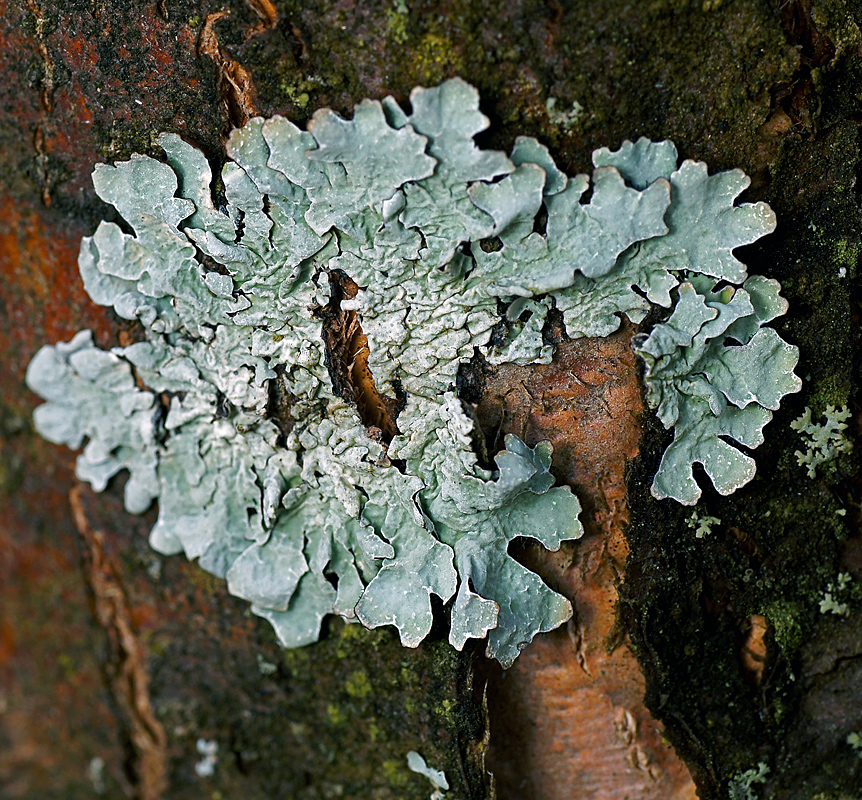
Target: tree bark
(690,662)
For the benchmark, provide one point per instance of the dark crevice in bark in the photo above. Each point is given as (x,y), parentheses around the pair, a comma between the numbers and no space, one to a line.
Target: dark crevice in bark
(346,348)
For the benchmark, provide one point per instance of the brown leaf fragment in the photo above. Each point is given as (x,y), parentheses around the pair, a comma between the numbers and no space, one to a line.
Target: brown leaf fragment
(266,12)
(236,87)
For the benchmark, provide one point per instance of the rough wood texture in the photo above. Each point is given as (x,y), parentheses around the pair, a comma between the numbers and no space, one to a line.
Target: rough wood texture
(766,85)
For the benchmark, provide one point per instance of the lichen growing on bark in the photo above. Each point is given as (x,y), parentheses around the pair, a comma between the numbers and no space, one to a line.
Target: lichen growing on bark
(293,407)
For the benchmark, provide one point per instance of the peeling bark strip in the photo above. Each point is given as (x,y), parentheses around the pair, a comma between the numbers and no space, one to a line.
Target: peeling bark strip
(125,667)
(46,102)
(568,718)
(46,81)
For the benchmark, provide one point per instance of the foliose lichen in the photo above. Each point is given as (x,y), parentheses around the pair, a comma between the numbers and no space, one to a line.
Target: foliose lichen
(293,407)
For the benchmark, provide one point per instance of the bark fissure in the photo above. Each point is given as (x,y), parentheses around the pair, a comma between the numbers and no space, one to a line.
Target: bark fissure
(125,666)
(347,361)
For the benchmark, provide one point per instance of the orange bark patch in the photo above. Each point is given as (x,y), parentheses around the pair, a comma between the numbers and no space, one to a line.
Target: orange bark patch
(41,293)
(587,404)
(54,715)
(754,649)
(572,718)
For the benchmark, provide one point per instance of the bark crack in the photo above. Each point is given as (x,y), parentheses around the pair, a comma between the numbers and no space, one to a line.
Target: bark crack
(125,665)
(347,360)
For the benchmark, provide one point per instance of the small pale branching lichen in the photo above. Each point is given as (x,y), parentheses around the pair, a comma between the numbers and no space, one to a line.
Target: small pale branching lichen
(836,595)
(292,406)
(741,786)
(823,442)
(702,525)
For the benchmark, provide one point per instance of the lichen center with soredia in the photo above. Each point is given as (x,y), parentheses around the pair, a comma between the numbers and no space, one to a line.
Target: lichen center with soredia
(254,431)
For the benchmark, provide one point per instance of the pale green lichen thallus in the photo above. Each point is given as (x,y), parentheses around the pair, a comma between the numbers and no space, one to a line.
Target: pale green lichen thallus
(357,264)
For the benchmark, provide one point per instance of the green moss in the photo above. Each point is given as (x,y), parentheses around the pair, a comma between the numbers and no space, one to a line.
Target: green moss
(396,25)
(788,628)
(67,665)
(847,255)
(336,715)
(434,58)
(396,773)
(121,140)
(373,701)
(358,685)
(296,91)
(445,710)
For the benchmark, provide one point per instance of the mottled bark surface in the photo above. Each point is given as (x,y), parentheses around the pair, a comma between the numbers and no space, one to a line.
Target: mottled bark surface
(114,661)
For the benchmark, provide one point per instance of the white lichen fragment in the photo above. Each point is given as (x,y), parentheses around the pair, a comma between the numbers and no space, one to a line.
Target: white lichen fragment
(823,441)
(96,774)
(205,768)
(566,119)
(832,602)
(417,764)
(243,418)
(266,668)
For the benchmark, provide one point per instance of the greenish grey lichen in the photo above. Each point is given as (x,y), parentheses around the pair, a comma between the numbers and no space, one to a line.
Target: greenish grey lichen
(702,525)
(713,371)
(242,411)
(823,442)
(835,592)
(741,786)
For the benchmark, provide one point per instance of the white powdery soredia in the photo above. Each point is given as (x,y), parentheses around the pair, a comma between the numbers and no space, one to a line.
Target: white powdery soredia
(314,512)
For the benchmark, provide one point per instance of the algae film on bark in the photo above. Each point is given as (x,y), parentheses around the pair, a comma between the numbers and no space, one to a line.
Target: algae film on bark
(293,406)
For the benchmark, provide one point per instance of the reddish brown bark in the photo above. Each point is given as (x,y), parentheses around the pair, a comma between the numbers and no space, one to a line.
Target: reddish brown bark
(771,87)
(570,719)
(125,665)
